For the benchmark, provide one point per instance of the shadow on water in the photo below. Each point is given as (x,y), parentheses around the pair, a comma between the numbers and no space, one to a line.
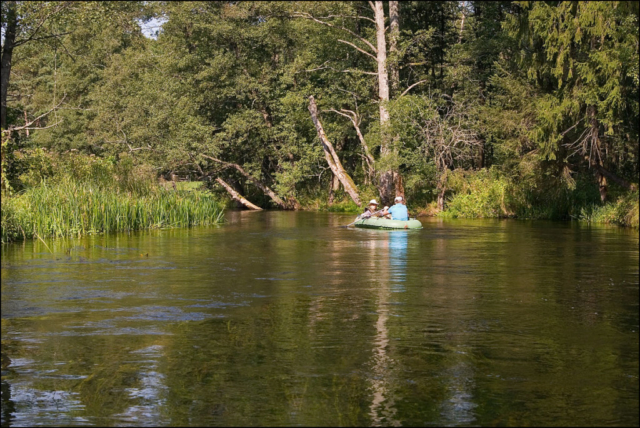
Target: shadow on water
(284,318)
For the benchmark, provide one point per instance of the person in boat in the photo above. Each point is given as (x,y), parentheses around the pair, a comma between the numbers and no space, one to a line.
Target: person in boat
(398,211)
(371,210)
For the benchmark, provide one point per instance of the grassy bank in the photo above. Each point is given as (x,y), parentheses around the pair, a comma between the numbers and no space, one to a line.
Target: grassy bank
(625,212)
(69,208)
(490,194)
(73,195)
(487,194)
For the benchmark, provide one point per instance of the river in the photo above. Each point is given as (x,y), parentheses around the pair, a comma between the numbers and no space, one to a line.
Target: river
(285,318)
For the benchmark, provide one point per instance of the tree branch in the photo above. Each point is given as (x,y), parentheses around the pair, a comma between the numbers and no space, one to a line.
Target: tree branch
(27,125)
(40,24)
(410,87)
(331,156)
(21,42)
(311,17)
(347,16)
(353,117)
(237,196)
(357,48)
(42,127)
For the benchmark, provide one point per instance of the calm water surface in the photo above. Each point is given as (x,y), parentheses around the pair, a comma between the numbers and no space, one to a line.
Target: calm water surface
(283,318)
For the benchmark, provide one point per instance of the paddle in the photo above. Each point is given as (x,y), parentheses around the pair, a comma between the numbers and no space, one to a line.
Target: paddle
(358,218)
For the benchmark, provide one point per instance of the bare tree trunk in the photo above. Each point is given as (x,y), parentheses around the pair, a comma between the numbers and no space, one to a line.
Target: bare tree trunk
(386,186)
(464,15)
(332,157)
(442,188)
(335,183)
(399,183)
(237,196)
(381,59)
(5,62)
(481,155)
(267,191)
(26,120)
(441,191)
(602,185)
(335,186)
(394,33)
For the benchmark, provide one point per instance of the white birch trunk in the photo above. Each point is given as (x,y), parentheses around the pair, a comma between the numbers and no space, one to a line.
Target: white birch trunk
(386,186)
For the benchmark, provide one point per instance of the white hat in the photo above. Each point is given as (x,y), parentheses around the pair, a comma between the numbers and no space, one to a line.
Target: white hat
(398,198)
(373,201)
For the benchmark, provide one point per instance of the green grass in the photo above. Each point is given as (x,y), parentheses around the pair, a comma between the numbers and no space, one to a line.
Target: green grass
(344,207)
(69,208)
(185,185)
(488,194)
(624,212)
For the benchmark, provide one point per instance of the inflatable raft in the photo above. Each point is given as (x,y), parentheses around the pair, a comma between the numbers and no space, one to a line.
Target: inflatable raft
(383,223)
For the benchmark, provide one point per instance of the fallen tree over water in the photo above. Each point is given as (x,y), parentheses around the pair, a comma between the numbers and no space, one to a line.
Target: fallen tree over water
(237,196)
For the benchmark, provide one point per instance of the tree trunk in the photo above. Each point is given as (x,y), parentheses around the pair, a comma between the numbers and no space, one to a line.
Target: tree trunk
(399,183)
(267,191)
(332,157)
(381,59)
(386,185)
(6,136)
(481,155)
(602,185)
(442,188)
(334,187)
(237,196)
(441,198)
(461,27)
(606,174)
(5,62)
(394,33)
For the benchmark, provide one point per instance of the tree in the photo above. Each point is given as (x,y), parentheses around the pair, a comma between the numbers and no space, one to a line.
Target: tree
(581,56)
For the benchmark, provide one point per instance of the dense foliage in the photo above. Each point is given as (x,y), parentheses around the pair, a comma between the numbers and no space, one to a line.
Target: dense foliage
(525,109)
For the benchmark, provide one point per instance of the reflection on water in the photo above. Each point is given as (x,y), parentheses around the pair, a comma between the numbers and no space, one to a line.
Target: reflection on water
(282,318)
(392,256)
(398,241)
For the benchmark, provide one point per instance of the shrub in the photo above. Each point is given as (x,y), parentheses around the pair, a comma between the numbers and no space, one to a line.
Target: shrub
(477,195)
(625,212)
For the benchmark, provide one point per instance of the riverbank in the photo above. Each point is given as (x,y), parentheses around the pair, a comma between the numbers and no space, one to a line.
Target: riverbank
(624,210)
(74,209)
(74,195)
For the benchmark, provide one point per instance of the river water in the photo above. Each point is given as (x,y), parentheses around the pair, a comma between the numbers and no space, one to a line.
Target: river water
(284,318)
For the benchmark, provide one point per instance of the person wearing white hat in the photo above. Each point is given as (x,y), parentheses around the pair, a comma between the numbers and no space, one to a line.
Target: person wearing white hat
(399,210)
(371,209)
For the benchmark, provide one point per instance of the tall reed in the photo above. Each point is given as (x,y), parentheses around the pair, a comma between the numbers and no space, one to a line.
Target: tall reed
(69,208)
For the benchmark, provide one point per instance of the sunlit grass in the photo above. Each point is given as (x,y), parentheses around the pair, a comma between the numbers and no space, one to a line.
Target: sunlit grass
(625,211)
(69,208)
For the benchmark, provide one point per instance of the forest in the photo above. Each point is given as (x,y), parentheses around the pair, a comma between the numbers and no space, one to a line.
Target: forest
(130,115)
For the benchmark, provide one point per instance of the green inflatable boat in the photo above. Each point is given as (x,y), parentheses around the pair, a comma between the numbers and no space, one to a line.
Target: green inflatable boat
(383,223)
